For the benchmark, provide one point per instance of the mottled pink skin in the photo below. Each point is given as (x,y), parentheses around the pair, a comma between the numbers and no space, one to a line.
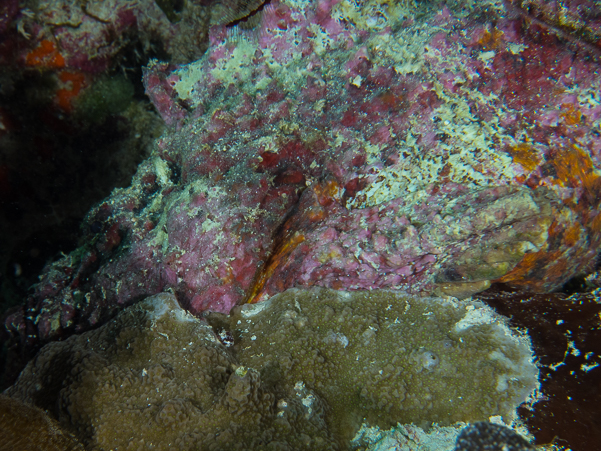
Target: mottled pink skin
(92,50)
(378,247)
(159,85)
(213,245)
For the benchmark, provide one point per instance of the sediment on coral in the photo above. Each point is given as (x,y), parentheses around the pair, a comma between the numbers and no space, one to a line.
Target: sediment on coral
(479,436)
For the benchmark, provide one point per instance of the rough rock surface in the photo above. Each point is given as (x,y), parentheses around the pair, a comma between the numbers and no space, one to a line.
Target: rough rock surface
(484,436)
(418,146)
(157,376)
(92,36)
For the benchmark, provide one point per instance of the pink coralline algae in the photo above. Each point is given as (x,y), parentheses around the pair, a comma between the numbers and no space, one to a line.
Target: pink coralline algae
(350,146)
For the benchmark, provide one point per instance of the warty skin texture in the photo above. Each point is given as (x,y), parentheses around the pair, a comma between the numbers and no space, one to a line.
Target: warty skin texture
(430,153)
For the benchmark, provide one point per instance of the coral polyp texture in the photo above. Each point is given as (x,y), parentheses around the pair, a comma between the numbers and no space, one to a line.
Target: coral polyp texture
(25,427)
(158,377)
(416,146)
(387,358)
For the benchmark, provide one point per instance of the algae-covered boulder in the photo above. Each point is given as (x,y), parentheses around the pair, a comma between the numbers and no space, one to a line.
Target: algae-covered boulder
(387,357)
(306,369)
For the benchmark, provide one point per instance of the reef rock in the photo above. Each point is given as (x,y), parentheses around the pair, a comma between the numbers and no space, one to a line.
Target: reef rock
(426,147)
(491,437)
(306,368)
(94,36)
